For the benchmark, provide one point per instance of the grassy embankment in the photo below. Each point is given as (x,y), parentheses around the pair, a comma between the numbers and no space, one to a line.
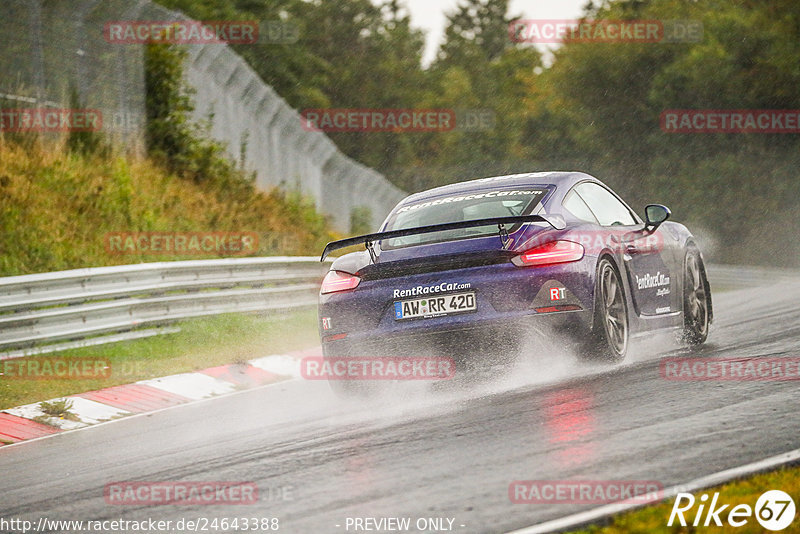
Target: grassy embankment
(56,207)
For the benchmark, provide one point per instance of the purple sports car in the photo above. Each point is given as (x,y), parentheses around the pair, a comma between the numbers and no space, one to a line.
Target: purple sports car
(474,267)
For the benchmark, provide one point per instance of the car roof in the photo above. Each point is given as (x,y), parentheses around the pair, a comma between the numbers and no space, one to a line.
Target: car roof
(561,179)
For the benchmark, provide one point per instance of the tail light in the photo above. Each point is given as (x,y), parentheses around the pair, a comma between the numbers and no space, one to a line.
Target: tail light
(549,253)
(336,281)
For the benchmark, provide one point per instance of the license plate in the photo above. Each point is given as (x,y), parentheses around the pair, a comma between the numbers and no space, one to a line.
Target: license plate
(435,306)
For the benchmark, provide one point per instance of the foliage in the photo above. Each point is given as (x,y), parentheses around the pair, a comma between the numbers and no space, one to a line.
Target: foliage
(56,207)
(60,408)
(594,107)
(172,137)
(360,220)
(85,141)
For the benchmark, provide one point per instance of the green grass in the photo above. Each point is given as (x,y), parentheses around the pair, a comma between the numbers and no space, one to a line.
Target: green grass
(653,519)
(200,344)
(57,207)
(59,409)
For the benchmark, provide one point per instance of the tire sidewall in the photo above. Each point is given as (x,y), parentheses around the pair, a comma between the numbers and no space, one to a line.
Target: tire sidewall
(691,335)
(601,340)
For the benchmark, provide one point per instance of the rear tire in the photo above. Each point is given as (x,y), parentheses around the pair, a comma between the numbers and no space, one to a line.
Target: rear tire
(611,332)
(696,300)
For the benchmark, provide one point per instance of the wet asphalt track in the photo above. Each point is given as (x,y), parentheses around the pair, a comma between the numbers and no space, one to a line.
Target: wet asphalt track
(449,454)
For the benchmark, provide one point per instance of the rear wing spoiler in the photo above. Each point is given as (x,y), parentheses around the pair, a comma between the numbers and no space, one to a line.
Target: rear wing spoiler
(370,239)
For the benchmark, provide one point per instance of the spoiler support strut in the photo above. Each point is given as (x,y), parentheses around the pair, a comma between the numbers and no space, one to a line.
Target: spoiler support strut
(503,234)
(370,246)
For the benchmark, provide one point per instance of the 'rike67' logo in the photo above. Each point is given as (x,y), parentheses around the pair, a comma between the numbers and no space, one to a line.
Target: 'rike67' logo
(775,510)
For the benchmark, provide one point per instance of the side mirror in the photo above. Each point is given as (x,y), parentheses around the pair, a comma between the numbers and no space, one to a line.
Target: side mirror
(655,214)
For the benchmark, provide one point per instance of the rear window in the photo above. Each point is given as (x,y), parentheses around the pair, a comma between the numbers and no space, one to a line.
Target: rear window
(456,208)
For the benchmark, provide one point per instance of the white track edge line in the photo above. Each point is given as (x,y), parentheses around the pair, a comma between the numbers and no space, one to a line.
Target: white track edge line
(714,479)
(144,414)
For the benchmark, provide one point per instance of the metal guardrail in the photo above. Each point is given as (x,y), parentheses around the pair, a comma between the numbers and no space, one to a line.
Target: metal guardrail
(116,302)
(76,304)
(734,276)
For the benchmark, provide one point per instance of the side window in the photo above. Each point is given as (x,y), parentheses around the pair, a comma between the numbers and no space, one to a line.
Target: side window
(576,206)
(605,206)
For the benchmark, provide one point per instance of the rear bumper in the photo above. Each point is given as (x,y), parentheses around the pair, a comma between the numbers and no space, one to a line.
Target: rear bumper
(469,339)
(511,302)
